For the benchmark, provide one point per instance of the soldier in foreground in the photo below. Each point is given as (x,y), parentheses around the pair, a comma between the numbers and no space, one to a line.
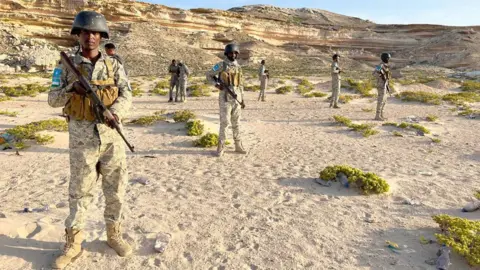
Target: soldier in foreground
(174,72)
(263,76)
(182,81)
(95,149)
(336,83)
(383,75)
(228,74)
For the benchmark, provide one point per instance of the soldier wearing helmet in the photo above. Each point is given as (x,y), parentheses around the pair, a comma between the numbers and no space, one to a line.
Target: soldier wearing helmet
(95,148)
(229,75)
(335,81)
(383,74)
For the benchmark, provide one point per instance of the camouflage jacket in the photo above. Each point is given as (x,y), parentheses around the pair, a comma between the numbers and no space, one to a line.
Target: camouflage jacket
(227,65)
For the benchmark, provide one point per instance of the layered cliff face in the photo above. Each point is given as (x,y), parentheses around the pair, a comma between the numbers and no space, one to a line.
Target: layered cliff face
(293,40)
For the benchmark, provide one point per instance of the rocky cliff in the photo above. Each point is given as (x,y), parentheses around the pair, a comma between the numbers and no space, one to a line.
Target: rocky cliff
(293,40)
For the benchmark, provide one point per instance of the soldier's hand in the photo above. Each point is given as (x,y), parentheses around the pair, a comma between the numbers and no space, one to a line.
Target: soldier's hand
(219,86)
(78,88)
(111,122)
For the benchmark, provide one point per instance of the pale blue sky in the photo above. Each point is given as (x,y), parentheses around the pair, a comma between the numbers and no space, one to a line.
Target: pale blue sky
(446,12)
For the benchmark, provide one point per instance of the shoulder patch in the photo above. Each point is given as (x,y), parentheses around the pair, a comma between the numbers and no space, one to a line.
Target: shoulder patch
(57,74)
(216,67)
(378,68)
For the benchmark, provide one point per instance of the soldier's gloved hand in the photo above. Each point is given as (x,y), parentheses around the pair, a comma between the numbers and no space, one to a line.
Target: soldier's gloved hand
(78,88)
(219,86)
(111,122)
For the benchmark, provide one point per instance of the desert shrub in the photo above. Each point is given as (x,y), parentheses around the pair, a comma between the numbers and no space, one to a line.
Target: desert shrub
(436,140)
(470,86)
(28,131)
(459,98)
(420,96)
(366,129)
(5,98)
(252,88)
(305,86)
(405,125)
(136,92)
(161,88)
(432,118)
(284,89)
(367,109)
(149,120)
(462,235)
(7,113)
(281,81)
(420,128)
(315,94)
(367,182)
(342,120)
(477,194)
(183,116)
(390,124)
(468,111)
(345,98)
(194,128)
(200,90)
(397,134)
(362,87)
(24,90)
(207,140)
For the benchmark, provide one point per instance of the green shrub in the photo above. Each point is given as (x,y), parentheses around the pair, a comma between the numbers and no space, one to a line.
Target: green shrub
(281,81)
(44,139)
(420,128)
(161,88)
(207,140)
(7,113)
(362,87)
(390,124)
(477,194)
(24,90)
(420,96)
(284,89)
(367,182)
(408,81)
(462,235)
(305,86)
(315,94)
(194,128)
(252,88)
(432,118)
(436,140)
(5,98)
(183,116)
(367,109)
(342,120)
(149,120)
(136,92)
(345,98)
(459,98)
(28,131)
(470,86)
(403,125)
(397,134)
(200,90)
(366,129)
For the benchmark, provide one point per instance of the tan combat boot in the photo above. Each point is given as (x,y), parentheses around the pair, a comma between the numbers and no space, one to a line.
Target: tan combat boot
(220,148)
(239,147)
(72,249)
(115,240)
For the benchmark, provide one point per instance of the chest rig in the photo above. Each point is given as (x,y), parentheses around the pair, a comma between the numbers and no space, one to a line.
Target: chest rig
(231,76)
(81,107)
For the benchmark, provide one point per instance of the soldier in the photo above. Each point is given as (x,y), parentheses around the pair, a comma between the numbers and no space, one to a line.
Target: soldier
(110,49)
(336,84)
(95,149)
(383,74)
(173,70)
(230,75)
(182,81)
(263,76)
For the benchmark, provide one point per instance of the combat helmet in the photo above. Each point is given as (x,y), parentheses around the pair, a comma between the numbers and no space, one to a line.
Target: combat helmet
(232,47)
(91,21)
(385,57)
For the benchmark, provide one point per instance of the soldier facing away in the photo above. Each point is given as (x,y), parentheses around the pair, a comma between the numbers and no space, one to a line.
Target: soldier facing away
(383,74)
(263,76)
(182,81)
(336,81)
(231,76)
(174,72)
(95,149)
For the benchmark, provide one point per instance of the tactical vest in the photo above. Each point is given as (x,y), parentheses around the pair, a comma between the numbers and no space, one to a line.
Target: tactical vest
(80,107)
(232,76)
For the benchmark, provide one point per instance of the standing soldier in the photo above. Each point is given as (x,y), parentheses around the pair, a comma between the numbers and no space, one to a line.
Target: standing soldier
(336,84)
(111,51)
(95,149)
(182,81)
(230,75)
(383,74)
(263,76)
(173,70)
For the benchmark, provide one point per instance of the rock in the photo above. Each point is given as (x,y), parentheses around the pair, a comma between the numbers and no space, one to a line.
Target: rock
(161,242)
(369,218)
(472,206)
(27,210)
(426,173)
(323,182)
(61,205)
(142,180)
(411,202)
(2,215)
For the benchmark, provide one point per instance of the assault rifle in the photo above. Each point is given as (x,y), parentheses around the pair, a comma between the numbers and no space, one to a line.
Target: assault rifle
(225,87)
(101,111)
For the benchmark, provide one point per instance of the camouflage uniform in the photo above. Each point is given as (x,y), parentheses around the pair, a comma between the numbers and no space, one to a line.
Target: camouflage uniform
(382,69)
(173,70)
(263,82)
(230,110)
(95,149)
(335,84)
(182,82)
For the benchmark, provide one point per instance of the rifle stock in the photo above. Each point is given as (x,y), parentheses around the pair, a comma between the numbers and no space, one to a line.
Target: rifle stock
(99,108)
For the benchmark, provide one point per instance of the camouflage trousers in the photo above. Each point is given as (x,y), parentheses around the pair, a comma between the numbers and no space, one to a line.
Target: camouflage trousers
(90,158)
(230,113)
(263,87)
(335,91)
(381,99)
(182,89)
(173,84)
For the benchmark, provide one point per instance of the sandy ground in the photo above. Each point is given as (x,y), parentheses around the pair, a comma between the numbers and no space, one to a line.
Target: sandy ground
(262,210)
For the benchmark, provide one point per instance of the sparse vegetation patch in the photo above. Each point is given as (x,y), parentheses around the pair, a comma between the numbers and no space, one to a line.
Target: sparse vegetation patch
(194,128)
(183,116)
(149,120)
(367,182)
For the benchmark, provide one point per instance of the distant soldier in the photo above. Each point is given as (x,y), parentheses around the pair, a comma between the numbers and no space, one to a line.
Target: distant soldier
(383,75)
(111,51)
(263,76)
(336,83)
(174,72)
(96,149)
(231,76)
(182,81)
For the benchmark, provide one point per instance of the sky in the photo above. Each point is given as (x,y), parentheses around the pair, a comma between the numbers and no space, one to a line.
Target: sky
(445,12)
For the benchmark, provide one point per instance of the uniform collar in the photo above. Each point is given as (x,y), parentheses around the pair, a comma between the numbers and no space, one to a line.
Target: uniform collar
(231,63)
(78,59)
